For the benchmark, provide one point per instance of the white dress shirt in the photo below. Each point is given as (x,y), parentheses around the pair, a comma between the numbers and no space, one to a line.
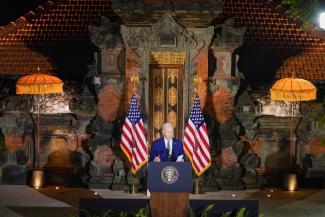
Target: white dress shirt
(169,145)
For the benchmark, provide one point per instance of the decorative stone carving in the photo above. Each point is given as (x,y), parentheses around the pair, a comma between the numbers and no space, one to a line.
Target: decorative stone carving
(194,13)
(109,104)
(119,179)
(232,85)
(226,74)
(105,34)
(145,6)
(227,36)
(228,158)
(143,39)
(101,167)
(102,133)
(166,35)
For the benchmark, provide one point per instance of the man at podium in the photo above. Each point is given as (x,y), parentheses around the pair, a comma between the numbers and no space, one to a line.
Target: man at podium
(167,148)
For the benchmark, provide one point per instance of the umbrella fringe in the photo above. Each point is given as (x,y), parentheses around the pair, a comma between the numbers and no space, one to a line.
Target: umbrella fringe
(39,88)
(297,95)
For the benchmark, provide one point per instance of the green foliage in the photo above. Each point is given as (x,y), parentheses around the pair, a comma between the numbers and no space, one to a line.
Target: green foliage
(190,211)
(207,210)
(123,214)
(225,214)
(104,214)
(241,212)
(143,212)
(305,9)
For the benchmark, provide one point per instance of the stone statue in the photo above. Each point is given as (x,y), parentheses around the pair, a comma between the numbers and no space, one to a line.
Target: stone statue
(119,178)
(105,33)
(100,168)
(103,159)
(228,35)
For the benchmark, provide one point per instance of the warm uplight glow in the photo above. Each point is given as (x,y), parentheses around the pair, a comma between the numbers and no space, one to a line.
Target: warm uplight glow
(234,195)
(322,20)
(95,193)
(269,195)
(57,188)
(272,190)
(290,182)
(38,179)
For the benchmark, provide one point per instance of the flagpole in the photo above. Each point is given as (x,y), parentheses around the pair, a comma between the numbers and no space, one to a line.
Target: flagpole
(197,189)
(196,80)
(134,80)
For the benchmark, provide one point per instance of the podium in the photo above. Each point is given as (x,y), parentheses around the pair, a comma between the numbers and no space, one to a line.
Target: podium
(169,184)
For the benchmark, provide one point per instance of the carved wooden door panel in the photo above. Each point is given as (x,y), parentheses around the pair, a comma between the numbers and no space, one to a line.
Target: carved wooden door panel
(166,99)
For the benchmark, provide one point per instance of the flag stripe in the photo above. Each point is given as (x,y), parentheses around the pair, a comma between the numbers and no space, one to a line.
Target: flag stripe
(196,140)
(133,141)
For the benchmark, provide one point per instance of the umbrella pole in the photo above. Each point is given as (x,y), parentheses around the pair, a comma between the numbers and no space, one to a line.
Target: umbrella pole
(291,134)
(38,136)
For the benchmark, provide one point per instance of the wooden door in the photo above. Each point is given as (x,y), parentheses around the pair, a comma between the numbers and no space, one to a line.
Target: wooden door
(166,99)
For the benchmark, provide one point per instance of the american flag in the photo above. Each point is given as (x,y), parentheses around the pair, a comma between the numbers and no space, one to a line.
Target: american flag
(196,140)
(133,140)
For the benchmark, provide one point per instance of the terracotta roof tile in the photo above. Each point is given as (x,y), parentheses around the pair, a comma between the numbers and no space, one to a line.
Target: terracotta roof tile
(55,35)
(271,38)
(59,33)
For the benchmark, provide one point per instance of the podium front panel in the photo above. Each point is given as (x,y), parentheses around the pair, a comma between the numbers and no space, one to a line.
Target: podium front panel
(170,177)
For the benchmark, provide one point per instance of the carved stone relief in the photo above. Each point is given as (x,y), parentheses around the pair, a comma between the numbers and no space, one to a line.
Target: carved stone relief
(166,35)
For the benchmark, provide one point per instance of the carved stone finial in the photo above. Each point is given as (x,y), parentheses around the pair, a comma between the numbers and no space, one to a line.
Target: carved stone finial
(105,34)
(227,35)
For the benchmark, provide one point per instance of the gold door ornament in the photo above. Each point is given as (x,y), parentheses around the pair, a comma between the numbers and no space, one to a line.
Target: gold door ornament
(172,75)
(172,96)
(172,118)
(158,120)
(157,57)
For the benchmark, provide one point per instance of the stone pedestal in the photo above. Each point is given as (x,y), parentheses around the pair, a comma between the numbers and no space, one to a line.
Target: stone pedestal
(14,174)
(229,178)
(102,182)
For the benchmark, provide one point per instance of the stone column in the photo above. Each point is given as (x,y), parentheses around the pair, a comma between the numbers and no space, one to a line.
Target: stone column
(107,76)
(224,84)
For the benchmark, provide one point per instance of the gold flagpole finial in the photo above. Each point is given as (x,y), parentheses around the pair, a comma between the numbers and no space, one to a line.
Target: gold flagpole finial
(196,80)
(135,81)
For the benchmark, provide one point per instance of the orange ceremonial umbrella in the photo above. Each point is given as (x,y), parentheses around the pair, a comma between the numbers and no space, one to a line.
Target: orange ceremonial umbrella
(293,90)
(38,84)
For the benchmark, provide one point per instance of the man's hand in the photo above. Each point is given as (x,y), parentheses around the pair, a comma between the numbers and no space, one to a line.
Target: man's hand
(157,159)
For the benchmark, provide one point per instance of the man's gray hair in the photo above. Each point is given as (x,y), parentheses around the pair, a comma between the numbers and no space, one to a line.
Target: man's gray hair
(167,126)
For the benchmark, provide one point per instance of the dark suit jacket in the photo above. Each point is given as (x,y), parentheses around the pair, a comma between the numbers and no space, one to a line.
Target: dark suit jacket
(158,148)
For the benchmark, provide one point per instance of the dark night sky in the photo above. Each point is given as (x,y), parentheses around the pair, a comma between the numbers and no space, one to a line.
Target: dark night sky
(13,9)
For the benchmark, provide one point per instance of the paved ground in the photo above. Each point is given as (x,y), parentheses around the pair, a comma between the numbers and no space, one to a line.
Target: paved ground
(23,201)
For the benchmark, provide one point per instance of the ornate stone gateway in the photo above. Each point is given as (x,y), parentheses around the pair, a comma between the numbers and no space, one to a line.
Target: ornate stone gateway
(166,62)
